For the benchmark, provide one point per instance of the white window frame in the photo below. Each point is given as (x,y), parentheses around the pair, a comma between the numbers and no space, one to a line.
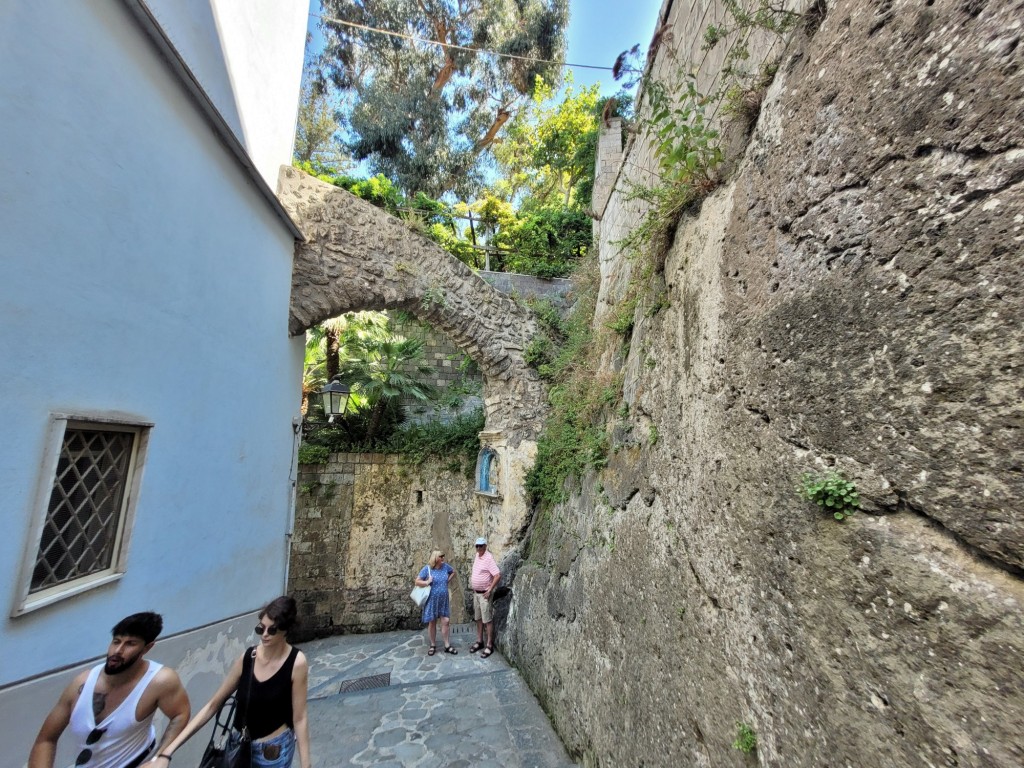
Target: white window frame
(27,602)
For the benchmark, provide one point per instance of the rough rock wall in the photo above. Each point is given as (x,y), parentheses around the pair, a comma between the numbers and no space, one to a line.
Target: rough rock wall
(365,523)
(851,296)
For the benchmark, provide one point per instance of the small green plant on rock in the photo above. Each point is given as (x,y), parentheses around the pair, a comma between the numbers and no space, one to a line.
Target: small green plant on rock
(622,320)
(746,739)
(830,491)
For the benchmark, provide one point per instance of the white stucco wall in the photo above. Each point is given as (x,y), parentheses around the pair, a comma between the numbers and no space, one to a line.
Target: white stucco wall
(140,272)
(247,55)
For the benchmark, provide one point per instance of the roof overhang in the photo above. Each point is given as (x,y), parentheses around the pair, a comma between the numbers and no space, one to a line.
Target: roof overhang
(183,73)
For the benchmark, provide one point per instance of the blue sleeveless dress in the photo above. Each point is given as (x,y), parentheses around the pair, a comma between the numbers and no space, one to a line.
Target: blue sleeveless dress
(437,604)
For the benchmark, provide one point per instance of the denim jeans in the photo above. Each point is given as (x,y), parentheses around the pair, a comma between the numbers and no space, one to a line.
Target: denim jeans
(285,742)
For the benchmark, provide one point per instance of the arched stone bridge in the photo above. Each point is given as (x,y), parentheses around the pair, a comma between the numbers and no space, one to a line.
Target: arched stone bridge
(358,257)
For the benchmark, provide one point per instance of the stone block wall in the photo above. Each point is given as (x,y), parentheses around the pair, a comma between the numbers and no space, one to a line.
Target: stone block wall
(608,163)
(451,368)
(365,524)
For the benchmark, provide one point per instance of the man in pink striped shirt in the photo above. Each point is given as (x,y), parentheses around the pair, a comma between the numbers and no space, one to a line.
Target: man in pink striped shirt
(483,581)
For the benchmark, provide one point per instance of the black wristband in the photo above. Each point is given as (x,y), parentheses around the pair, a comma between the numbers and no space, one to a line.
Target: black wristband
(162,754)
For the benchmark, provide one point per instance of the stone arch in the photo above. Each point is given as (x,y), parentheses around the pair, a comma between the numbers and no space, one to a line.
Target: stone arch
(358,257)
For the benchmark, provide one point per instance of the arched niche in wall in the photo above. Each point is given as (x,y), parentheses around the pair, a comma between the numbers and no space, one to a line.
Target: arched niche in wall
(488,472)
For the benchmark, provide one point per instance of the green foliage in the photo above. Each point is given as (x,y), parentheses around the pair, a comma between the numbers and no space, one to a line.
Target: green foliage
(316,130)
(688,152)
(653,434)
(548,315)
(625,314)
(329,490)
(547,153)
(539,354)
(381,368)
(313,454)
(547,242)
(574,439)
(685,146)
(422,114)
(831,492)
(326,346)
(456,441)
(545,347)
(452,395)
(379,190)
(746,739)
(385,370)
(434,295)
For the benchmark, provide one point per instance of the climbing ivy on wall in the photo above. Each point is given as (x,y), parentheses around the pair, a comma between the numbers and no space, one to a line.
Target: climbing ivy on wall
(574,439)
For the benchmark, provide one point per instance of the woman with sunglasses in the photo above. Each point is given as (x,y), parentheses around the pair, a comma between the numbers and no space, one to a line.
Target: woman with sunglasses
(437,573)
(270,681)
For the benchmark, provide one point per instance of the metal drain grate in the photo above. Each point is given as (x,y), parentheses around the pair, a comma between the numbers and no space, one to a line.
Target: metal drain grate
(365,683)
(462,629)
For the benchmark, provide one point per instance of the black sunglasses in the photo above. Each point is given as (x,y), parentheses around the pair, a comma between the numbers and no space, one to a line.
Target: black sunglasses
(271,630)
(86,754)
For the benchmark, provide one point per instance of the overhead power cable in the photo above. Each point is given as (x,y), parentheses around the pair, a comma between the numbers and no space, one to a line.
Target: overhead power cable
(415,39)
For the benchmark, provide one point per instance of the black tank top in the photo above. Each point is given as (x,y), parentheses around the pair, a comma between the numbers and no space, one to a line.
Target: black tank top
(270,702)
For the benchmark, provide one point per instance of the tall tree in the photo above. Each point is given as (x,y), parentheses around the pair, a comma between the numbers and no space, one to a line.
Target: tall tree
(548,149)
(424,114)
(316,130)
(327,342)
(384,370)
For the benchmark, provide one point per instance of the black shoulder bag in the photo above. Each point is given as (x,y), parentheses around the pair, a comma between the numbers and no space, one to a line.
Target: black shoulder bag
(218,753)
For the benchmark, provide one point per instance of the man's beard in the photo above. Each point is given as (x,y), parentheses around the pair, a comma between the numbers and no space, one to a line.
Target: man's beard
(116,668)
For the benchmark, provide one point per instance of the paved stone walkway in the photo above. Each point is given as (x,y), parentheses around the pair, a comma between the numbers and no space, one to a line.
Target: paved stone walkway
(445,710)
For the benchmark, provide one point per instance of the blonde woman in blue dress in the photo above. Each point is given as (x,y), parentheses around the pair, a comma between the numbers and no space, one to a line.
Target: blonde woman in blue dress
(437,574)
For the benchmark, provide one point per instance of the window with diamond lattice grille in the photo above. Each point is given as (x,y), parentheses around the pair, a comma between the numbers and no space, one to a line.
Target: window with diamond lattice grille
(82,530)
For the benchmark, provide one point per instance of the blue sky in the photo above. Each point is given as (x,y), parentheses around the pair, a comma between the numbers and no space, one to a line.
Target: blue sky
(599,30)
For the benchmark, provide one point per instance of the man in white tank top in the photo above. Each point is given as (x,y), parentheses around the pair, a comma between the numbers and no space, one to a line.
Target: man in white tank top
(110,707)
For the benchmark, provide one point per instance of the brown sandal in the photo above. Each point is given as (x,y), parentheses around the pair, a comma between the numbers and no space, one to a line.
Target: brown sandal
(476,647)
(486,652)
(450,649)
(432,651)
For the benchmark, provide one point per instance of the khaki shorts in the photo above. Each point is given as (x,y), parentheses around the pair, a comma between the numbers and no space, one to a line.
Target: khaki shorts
(483,610)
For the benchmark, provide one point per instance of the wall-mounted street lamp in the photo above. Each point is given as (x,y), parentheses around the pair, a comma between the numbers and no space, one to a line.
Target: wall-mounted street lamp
(335,396)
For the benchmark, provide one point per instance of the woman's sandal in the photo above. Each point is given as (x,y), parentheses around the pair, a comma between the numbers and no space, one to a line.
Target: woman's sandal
(487,652)
(432,651)
(449,649)
(476,647)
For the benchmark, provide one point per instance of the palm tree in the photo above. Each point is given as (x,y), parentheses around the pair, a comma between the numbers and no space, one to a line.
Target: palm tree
(383,370)
(326,341)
